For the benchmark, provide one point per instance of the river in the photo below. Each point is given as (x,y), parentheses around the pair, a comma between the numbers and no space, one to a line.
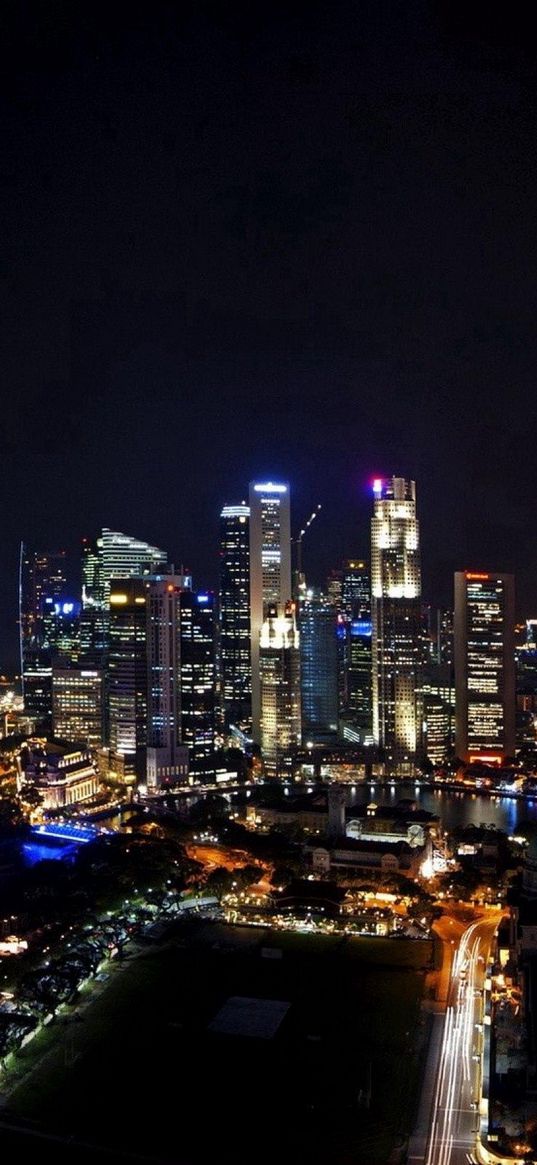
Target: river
(454,809)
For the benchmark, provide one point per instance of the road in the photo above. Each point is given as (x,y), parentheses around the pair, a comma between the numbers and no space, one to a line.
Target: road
(455,1057)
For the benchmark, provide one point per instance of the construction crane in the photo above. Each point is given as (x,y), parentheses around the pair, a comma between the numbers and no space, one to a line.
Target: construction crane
(298,544)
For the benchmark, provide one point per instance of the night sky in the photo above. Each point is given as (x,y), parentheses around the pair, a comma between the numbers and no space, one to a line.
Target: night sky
(261,240)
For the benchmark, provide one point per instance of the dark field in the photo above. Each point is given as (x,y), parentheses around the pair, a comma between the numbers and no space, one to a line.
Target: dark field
(142,1074)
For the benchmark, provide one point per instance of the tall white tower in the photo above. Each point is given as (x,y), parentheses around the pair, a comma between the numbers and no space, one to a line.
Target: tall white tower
(270,569)
(396,617)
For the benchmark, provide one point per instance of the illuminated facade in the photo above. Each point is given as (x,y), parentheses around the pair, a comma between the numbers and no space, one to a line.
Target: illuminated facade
(113,555)
(198,682)
(318,667)
(279,668)
(78,705)
(167,756)
(64,776)
(234,618)
(270,570)
(127,677)
(354,640)
(396,621)
(484,666)
(42,584)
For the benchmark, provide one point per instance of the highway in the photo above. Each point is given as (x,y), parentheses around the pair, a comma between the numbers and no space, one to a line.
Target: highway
(453,1101)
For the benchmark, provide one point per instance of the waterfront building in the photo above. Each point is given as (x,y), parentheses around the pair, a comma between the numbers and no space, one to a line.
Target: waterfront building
(270,570)
(396,622)
(64,776)
(484,666)
(279,670)
(234,619)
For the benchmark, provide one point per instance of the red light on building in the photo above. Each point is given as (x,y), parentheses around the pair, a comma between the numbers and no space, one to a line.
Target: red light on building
(476,577)
(490,759)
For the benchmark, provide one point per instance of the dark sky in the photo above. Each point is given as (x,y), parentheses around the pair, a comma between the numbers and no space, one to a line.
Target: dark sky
(293,239)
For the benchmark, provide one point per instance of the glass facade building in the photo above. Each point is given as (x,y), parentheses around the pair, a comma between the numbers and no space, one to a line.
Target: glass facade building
(484,666)
(234,618)
(270,570)
(396,622)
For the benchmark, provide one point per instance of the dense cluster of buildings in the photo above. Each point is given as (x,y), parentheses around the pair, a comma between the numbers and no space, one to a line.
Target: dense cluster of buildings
(152,674)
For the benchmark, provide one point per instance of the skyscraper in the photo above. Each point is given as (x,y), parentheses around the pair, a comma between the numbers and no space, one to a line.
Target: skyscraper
(484,666)
(234,618)
(112,555)
(78,705)
(270,569)
(197,655)
(355,633)
(318,667)
(42,585)
(167,756)
(127,678)
(279,668)
(396,621)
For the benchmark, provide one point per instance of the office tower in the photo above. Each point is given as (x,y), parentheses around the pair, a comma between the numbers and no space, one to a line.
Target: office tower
(279,673)
(234,618)
(526,685)
(42,583)
(112,555)
(78,705)
(197,662)
(354,638)
(318,667)
(127,678)
(61,621)
(484,666)
(167,756)
(270,570)
(396,621)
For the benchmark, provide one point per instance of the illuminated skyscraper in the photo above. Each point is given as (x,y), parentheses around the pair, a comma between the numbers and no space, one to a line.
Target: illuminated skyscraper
(78,705)
(279,668)
(484,666)
(113,555)
(167,756)
(318,667)
(42,585)
(270,570)
(396,621)
(234,615)
(197,681)
(127,678)
(354,639)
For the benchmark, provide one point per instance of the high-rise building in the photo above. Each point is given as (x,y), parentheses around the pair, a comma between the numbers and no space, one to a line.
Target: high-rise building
(270,570)
(354,639)
(42,585)
(279,668)
(396,622)
(197,656)
(484,666)
(127,677)
(234,618)
(318,667)
(167,756)
(112,555)
(78,705)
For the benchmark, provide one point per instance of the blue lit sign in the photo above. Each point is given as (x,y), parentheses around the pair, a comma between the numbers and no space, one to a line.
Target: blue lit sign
(362,627)
(202,598)
(270,487)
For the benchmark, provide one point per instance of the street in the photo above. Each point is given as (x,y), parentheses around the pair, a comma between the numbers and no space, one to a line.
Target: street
(455,1059)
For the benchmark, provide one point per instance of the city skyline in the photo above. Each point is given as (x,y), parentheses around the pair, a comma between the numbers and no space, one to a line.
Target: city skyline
(341,230)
